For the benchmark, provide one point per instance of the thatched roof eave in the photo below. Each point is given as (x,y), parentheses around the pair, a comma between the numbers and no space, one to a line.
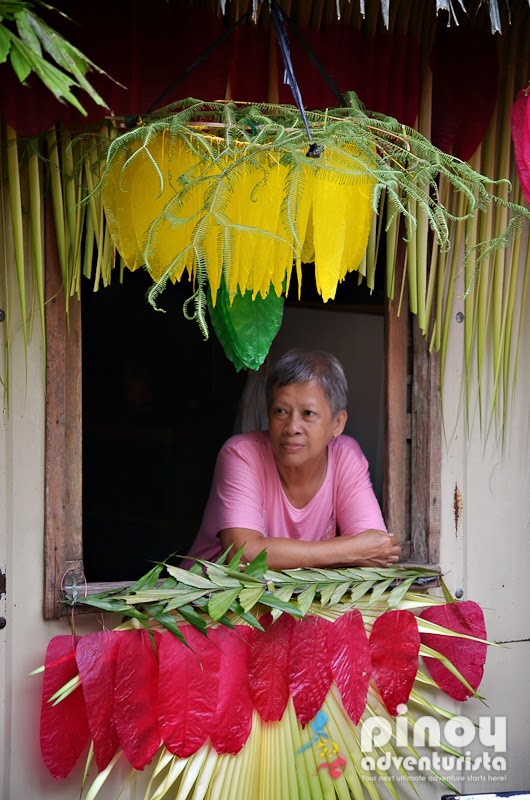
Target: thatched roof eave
(314,13)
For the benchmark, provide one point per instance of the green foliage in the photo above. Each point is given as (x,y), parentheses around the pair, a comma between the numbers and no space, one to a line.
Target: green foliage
(31,45)
(237,592)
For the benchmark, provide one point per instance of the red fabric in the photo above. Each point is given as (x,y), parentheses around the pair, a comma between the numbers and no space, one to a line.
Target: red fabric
(269,667)
(349,655)
(466,655)
(145,46)
(465,79)
(359,63)
(96,657)
(188,689)
(309,669)
(249,66)
(64,727)
(394,645)
(136,697)
(148,45)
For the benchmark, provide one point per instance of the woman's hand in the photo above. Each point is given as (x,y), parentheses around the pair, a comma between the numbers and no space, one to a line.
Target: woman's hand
(371,548)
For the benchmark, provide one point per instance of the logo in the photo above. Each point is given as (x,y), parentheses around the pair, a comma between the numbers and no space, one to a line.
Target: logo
(328,750)
(447,741)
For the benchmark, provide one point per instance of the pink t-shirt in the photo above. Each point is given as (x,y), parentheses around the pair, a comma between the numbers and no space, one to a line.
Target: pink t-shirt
(247,493)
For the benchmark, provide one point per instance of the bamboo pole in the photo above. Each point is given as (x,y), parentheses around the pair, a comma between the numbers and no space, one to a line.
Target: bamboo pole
(35,216)
(56,190)
(5,294)
(15,203)
(503,261)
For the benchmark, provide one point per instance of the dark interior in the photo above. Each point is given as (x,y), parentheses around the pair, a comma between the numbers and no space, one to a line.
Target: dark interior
(158,402)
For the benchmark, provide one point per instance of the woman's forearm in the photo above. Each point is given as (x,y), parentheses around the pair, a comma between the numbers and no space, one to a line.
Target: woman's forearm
(369,548)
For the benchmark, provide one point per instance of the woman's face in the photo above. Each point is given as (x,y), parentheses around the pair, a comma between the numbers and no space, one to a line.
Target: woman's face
(301,424)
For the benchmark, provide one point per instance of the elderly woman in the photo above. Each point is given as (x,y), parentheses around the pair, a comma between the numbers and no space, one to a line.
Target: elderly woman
(301,490)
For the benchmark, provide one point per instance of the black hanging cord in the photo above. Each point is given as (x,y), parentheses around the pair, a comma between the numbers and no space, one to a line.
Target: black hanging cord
(314,60)
(277,15)
(289,76)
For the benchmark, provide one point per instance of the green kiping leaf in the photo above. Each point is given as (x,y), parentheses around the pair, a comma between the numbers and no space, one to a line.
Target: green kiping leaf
(327,592)
(246,616)
(398,592)
(305,598)
(189,578)
(220,602)
(236,559)
(337,596)
(168,622)
(219,577)
(284,593)
(257,567)
(195,619)
(273,602)
(379,589)
(147,581)
(184,598)
(250,595)
(360,590)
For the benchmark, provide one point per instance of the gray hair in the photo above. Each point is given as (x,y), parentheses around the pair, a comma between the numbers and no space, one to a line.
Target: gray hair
(300,366)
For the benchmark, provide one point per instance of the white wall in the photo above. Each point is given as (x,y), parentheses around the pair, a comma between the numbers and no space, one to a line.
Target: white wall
(23,641)
(488,554)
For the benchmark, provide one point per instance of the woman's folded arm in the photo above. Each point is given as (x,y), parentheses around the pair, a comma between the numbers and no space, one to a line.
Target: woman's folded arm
(370,548)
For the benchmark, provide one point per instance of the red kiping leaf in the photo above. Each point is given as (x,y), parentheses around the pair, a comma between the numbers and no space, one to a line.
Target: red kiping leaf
(188,689)
(269,667)
(351,666)
(394,645)
(233,716)
(521,141)
(465,654)
(309,669)
(136,697)
(64,727)
(96,657)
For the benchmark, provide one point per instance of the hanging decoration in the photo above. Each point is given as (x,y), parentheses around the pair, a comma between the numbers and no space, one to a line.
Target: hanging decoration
(454,222)
(229,189)
(520,120)
(182,198)
(245,327)
(232,675)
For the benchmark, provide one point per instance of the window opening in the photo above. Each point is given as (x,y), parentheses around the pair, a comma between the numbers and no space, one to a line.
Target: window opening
(200,393)
(158,402)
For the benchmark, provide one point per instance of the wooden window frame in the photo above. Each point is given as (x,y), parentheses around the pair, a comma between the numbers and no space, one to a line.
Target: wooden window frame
(412,468)
(412,440)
